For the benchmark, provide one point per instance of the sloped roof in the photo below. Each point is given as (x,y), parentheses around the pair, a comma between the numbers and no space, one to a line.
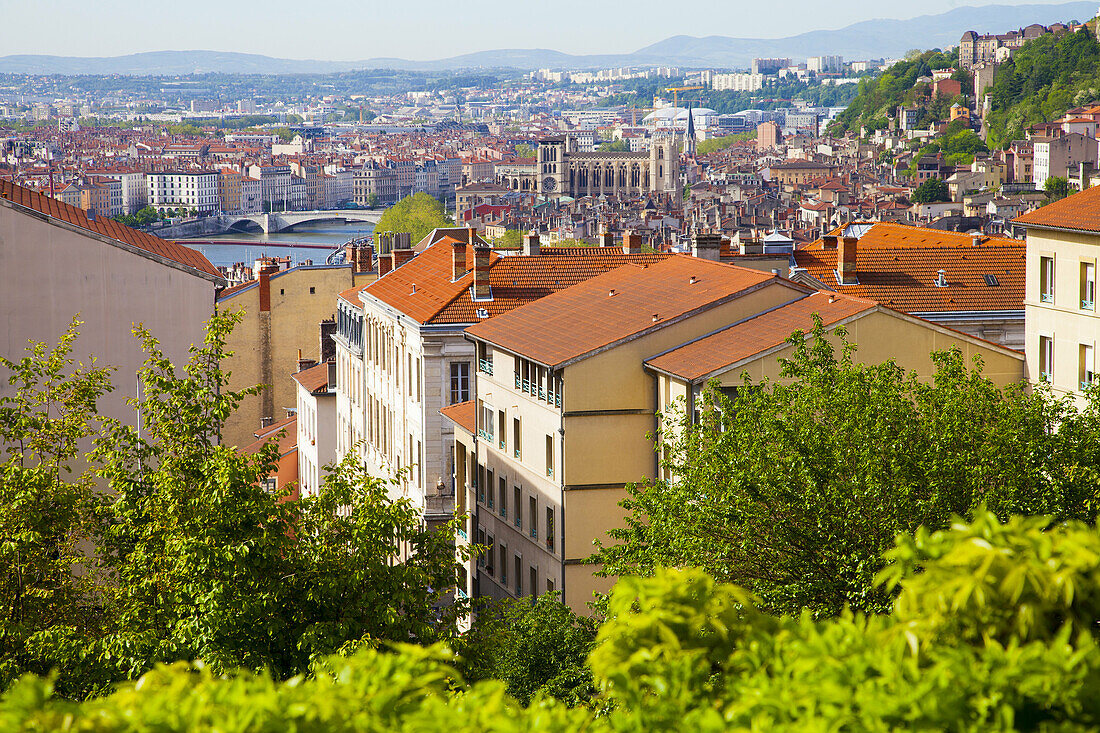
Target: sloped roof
(462,414)
(109,228)
(616,306)
(513,280)
(287,442)
(897,266)
(701,358)
(1079,212)
(314,379)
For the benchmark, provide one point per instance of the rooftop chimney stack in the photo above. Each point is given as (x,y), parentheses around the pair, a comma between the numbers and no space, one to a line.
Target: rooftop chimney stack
(707,246)
(829,241)
(385,264)
(632,243)
(532,243)
(458,259)
(607,239)
(846,261)
(976,239)
(471,236)
(481,272)
(401,256)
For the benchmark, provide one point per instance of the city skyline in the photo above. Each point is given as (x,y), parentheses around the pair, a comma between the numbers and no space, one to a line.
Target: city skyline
(279,29)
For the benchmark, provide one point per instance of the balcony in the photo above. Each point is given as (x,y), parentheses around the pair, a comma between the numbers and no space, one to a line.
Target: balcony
(1087,305)
(1046,297)
(485,366)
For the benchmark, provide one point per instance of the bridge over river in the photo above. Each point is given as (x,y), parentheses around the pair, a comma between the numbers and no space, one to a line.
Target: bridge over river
(278,221)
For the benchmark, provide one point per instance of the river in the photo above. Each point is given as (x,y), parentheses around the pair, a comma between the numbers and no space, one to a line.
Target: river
(306,242)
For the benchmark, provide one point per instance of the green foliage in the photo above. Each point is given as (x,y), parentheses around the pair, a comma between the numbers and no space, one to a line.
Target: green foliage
(994,628)
(199,559)
(46,512)
(879,98)
(143,217)
(931,191)
(534,647)
(959,144)
(793,488)
(715,144)
(1056,187)
(614,146)
(285,134)
(525,150)
(1040,82)
(185,129)
(511,238)
(418,214)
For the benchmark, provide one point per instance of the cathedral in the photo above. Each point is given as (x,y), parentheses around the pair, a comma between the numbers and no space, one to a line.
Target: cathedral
(561,171)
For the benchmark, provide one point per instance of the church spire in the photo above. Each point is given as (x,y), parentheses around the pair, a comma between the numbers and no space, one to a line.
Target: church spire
(690,133)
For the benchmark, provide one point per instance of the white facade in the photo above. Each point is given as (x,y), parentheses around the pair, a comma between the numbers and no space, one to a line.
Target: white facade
(316,437)
(737,82)
(188,189)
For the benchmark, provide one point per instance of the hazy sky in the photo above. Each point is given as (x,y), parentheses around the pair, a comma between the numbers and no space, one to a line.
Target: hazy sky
(343,30)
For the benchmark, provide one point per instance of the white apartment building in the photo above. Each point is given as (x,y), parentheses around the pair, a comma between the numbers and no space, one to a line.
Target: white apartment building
(1061,156)
(316,405)
(1061,322)
(275,186)
(825,64)
(196,190)
(737,82)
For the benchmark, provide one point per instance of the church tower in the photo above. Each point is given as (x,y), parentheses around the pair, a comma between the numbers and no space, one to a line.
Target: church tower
(552,167)
(689,141)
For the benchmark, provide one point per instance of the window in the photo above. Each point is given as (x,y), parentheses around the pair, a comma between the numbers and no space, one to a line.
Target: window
(490,553)
(480,483)
(549,585)
(519,574)
(485,359)
(313,291)
(534,580)
(1046,279)
(1046,359)
(517,507)
(515,437)
(503,564)
(1087,367)
(533,517)
(489,488)
(460,381)
(549,528)
(481,541)
(549,455)
(1088,286)
(502,428)
(485,428)
(503,495)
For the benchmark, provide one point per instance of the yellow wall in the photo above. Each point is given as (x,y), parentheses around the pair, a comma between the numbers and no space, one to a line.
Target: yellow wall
(293,323)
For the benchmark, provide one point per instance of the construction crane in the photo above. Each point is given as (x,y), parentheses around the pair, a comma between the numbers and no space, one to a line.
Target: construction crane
(675,93)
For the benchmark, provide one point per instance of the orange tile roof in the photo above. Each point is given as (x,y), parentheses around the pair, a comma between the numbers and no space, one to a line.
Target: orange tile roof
(1079,212)
(897,265)
(314,379)
(287,442)
(462,414)
(513,280)
(53,208)
(718,351)
(615,306)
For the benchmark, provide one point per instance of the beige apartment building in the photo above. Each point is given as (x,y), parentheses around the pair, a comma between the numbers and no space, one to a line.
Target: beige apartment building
(283,311)
(1062,326)
(568,390)
(56,263)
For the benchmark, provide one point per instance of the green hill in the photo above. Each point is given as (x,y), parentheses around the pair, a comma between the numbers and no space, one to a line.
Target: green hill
(879,97)
(1040,82)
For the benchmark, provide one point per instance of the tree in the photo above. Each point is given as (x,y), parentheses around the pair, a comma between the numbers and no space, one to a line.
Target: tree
(48,503)
(534,646)
(931,191)
(614,146)
(794,488)
(1056,187)
(994,629)
(510,239)
(418,214)
(525,150)
(199,560)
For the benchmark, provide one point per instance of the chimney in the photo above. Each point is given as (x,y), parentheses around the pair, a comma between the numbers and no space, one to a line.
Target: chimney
(401,256)
(532,243)
(607,239)
(481,273)
(458,258)
(632,243)
(706,246)
(304,364)
(829,241)
(846,261)
(331,375)
(976,239)
(385,264)
(471,236)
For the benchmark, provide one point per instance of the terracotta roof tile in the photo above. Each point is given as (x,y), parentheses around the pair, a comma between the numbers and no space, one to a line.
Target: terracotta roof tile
(614,306)
(462,414)
(701,358)
(1080,212)
(314,379)
(287,442)
(107,227)
(897,266)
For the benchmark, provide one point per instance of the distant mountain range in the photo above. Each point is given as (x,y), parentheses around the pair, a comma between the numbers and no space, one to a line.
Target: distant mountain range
(866,40)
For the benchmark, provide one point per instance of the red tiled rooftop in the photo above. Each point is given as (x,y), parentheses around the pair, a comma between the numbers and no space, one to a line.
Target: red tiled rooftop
(617,305)
(462,414)
(107,227)
(704,357)
(1079,212)
(314,379)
